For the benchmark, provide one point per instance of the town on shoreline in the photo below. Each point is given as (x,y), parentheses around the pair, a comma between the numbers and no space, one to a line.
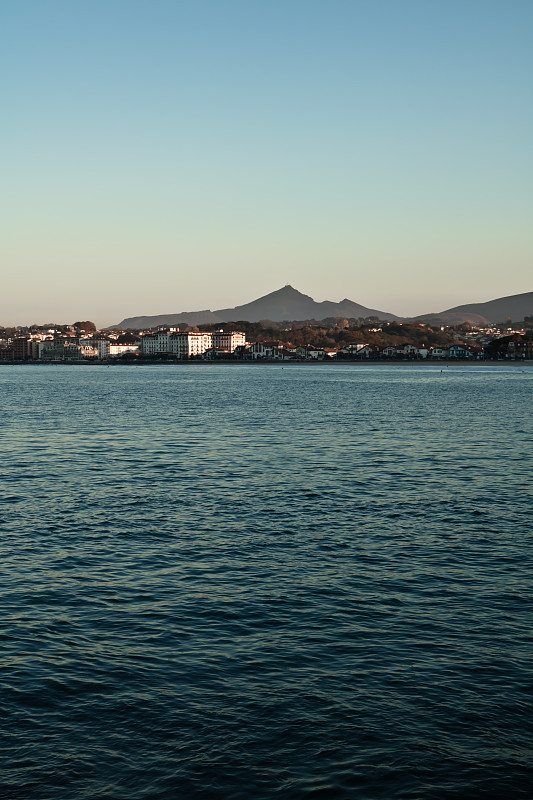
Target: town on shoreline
(311,342)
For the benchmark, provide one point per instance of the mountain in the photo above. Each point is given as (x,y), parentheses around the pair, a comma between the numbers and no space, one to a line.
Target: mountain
(188,317)
(290,304)
(283,304)
(514,307)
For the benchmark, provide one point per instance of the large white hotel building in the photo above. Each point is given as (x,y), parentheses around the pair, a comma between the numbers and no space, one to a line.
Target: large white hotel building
(184,344)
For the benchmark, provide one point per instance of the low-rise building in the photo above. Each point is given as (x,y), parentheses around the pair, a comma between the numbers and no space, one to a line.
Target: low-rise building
(515,347)
(214,353)
(368,351)
(459,351)
(407,350)
(273,350)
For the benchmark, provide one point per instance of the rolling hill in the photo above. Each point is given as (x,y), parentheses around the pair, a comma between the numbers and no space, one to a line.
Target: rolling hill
(514,307)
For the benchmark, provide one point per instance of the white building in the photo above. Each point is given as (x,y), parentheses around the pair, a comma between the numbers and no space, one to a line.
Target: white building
(119,349)
(149,344)
(88,351)
(229,341)
(101,345)
(154,343)
(161,338)
(188,344)
(260,350)
(439,352)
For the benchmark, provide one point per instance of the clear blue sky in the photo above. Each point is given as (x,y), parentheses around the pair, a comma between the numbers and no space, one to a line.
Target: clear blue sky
(167,156)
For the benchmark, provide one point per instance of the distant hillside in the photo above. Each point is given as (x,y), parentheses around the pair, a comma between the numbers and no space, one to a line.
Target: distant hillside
(184,317)
(290,304)
(283,304)
(515,307)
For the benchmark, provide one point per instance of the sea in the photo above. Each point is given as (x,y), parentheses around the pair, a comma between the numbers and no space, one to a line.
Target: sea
(266,581)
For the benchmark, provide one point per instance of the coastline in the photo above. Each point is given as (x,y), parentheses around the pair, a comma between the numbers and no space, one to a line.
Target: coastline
(275,362)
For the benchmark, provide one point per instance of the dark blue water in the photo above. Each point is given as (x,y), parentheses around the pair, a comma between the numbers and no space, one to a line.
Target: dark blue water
(254,581)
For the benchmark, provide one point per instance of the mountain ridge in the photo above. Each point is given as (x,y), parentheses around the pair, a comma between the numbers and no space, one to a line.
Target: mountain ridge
(288,304)
(282,304)
(514,307)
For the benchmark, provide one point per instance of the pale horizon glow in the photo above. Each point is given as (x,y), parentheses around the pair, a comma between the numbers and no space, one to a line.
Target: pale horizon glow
(165,157)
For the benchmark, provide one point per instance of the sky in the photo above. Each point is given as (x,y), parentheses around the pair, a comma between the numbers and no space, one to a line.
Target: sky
(176,155)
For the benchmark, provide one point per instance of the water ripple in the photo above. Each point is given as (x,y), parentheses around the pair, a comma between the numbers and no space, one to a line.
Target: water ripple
(235,582)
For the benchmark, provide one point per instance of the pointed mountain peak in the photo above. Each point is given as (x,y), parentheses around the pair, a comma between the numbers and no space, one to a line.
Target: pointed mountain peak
(288,291)
(286,303)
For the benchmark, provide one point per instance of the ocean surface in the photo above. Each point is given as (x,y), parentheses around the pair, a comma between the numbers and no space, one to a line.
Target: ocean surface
(255,581)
